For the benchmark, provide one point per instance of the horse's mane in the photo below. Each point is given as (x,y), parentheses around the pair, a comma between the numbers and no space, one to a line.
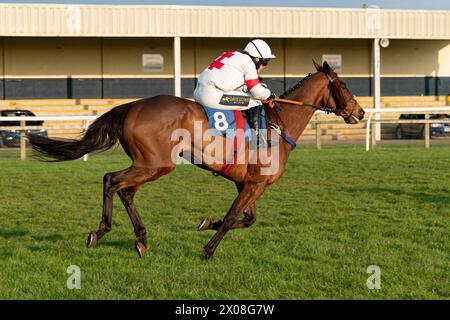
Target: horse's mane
(299,84)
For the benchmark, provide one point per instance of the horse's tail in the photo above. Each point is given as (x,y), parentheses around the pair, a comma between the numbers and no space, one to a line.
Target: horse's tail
(101,135)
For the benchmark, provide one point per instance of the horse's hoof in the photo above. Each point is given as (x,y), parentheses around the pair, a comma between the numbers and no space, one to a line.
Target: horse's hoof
(141,249)
(205,224)
(91,240)
(207,254)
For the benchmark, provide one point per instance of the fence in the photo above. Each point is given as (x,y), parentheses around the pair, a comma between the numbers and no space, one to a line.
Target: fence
(369,124)
(23,128)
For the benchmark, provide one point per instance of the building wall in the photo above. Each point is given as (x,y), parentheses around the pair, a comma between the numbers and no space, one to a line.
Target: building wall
(417,67)
(112,67)
(355,54)
(52,67)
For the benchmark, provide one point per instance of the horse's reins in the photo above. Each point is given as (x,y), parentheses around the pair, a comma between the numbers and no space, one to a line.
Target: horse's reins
(299,103)
(327,109)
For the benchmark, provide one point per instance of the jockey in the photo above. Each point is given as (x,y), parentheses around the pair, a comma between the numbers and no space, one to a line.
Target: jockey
(231,82)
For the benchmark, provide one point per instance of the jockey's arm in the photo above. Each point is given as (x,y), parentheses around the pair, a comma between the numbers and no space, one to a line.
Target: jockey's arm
(254,86)
(257,90)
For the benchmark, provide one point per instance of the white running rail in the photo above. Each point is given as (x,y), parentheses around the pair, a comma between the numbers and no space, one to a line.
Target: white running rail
(371,112)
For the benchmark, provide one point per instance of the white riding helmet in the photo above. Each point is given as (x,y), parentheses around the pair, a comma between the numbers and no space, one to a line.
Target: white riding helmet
(259,49)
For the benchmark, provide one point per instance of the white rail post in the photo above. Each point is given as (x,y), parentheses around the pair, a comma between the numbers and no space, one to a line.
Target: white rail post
(376,64)
(427,132)
(374,133)
(318,133)
(368,124)
(23,142)
(177,66)
(85,127)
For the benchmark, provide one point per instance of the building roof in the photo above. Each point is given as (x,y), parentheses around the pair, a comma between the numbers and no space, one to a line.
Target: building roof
(64,20)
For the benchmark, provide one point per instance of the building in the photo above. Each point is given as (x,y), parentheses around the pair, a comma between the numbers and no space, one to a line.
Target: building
(51,51)
(97,51)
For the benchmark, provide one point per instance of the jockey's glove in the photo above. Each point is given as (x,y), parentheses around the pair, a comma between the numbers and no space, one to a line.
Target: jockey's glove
(270,102)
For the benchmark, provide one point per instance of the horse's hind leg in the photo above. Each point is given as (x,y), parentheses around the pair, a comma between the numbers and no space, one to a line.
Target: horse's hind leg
(132,177)
(136,178)
(127,197)
(106,222)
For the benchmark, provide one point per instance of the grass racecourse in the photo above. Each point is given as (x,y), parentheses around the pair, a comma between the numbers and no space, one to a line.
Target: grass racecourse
(334,213)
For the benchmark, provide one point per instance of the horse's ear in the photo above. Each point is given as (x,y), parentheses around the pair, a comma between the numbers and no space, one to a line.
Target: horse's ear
(317,66)
(327,68)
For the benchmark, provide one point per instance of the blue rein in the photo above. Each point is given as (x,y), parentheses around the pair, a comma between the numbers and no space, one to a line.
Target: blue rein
(288,139)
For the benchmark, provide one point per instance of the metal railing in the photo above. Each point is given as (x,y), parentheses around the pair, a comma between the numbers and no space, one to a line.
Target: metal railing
(370,123)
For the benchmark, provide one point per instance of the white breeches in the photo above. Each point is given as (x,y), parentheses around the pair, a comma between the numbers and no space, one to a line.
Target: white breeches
(212,97)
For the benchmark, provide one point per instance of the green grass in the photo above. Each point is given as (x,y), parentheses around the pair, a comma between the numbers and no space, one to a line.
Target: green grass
(333,213)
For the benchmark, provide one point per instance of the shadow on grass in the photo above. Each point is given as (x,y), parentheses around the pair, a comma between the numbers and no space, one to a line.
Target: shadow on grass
(436,198)
(51,237)
(9,234)
(120,244)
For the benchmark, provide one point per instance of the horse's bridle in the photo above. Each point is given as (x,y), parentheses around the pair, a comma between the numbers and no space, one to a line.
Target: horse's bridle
(336,92)
(339,101)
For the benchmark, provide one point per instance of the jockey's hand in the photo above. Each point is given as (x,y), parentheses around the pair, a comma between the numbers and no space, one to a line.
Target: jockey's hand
(269,102)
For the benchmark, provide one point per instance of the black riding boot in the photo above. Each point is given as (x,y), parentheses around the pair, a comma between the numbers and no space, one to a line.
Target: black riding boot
(255,118)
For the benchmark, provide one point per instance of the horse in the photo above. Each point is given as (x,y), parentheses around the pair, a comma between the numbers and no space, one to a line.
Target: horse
(144,127)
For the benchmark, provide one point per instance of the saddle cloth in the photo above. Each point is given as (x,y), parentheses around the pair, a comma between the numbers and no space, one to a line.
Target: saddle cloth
(225,122)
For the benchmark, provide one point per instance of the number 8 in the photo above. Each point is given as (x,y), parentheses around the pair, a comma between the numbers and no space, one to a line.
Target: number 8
(220,121)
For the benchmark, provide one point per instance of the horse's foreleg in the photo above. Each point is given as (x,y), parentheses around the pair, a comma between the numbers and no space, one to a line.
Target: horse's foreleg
(249,214)
(249,218)
(247,221)
(249,194)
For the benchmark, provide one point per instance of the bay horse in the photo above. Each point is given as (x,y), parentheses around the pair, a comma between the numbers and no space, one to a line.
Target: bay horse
(144,128)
